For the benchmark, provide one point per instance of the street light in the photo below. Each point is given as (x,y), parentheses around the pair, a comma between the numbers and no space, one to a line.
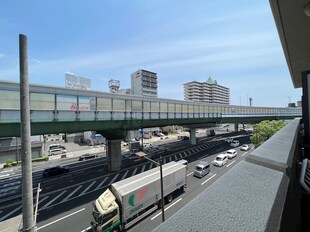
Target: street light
(160,164)
(142,135)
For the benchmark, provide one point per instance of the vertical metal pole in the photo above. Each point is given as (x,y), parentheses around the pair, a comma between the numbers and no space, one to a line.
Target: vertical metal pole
(16,143)
(142,142)
(37,205)
(27,197)
(162,189)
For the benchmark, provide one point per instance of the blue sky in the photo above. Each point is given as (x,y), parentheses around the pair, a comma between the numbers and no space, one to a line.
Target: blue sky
(234,42)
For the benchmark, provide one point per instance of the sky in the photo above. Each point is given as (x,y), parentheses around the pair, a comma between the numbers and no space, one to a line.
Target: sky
(234,42)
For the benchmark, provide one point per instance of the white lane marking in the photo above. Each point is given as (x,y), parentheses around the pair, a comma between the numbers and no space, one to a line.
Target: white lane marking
(114,178)
(166,208)
(219,149)
(11,170)
(70,195)
(125,174)
(59,219)
(151,166)
(54,199)
(87,229)
(88,187)
(4,175)
(208,179)
(43,199)
(244,153)
(170,158)
(175,157)
(10,213)
(172,204)
(230,163)
(101,183)
(134,171)
(190,173)
(143,168)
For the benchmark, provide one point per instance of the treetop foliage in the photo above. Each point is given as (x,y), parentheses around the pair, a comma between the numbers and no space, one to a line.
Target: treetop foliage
(264,130)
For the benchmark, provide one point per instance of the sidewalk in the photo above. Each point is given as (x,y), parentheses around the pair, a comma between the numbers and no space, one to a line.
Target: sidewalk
(12,224)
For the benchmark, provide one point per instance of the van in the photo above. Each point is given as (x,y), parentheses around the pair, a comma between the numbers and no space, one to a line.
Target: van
(202,169)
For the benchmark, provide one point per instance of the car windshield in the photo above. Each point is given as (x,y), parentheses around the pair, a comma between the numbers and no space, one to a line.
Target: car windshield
(198,168)
(218,159)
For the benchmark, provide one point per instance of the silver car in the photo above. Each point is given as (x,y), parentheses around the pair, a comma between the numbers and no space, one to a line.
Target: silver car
(57,151)
(202,169)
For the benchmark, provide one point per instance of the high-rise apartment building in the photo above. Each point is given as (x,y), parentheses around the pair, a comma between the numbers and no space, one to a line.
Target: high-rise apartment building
(209,92)
(144,83)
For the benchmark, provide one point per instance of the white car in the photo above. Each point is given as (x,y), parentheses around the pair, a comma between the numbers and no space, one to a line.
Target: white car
(229,140)
(235,143)
(244,147)
(231,153)
(57,151)
(220,160)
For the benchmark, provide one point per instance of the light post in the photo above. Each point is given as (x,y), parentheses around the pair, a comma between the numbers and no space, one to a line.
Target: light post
(160,164)
(142,135)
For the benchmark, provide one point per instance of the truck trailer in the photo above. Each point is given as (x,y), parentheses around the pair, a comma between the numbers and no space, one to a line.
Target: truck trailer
(128,201)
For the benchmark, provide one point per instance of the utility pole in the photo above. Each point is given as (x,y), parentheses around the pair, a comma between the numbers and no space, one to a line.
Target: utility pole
(27,195)
(160,164)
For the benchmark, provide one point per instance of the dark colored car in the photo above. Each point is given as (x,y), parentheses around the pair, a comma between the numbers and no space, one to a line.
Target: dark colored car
(87,156)
(54,171)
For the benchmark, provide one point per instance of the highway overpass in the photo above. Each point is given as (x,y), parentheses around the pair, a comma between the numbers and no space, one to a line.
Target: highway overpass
(62,110)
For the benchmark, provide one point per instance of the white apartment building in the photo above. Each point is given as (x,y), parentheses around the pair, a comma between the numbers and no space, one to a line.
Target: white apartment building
(209,92)
(144,83)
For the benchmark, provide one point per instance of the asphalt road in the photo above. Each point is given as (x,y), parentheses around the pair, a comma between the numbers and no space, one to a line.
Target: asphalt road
(69,208)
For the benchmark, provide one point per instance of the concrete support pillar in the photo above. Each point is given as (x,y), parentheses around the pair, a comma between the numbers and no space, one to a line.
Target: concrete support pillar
(192,134)
(114,155)
(236,126)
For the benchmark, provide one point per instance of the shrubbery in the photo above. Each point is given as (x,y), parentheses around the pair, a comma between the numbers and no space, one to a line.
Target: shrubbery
(10,163)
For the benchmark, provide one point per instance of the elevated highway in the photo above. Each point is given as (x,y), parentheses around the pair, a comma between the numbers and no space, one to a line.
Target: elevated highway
(63,110)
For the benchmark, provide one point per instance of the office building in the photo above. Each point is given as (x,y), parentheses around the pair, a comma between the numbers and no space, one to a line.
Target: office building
(144,83)
(209,92)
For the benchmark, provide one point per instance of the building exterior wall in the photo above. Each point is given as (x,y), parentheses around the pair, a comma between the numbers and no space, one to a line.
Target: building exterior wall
(209,92)
(144,83)
(10,148)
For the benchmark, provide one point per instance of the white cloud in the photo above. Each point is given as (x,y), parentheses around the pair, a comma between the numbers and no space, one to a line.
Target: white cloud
(36,60)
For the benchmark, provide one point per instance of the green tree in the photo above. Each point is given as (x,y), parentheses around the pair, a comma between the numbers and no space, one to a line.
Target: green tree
(264,130)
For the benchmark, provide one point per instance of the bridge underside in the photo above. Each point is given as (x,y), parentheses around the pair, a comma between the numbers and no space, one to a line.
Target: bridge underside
(116,129)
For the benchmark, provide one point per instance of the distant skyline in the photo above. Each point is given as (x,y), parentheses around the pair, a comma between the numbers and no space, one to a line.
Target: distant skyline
(234,42)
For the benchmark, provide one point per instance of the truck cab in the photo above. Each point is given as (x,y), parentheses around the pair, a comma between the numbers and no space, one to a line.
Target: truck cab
(106,215)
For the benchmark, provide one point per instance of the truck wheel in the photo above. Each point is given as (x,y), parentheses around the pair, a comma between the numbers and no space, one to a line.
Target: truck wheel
(169,198)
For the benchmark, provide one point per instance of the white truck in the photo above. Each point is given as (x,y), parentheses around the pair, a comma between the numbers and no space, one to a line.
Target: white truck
(128,201)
